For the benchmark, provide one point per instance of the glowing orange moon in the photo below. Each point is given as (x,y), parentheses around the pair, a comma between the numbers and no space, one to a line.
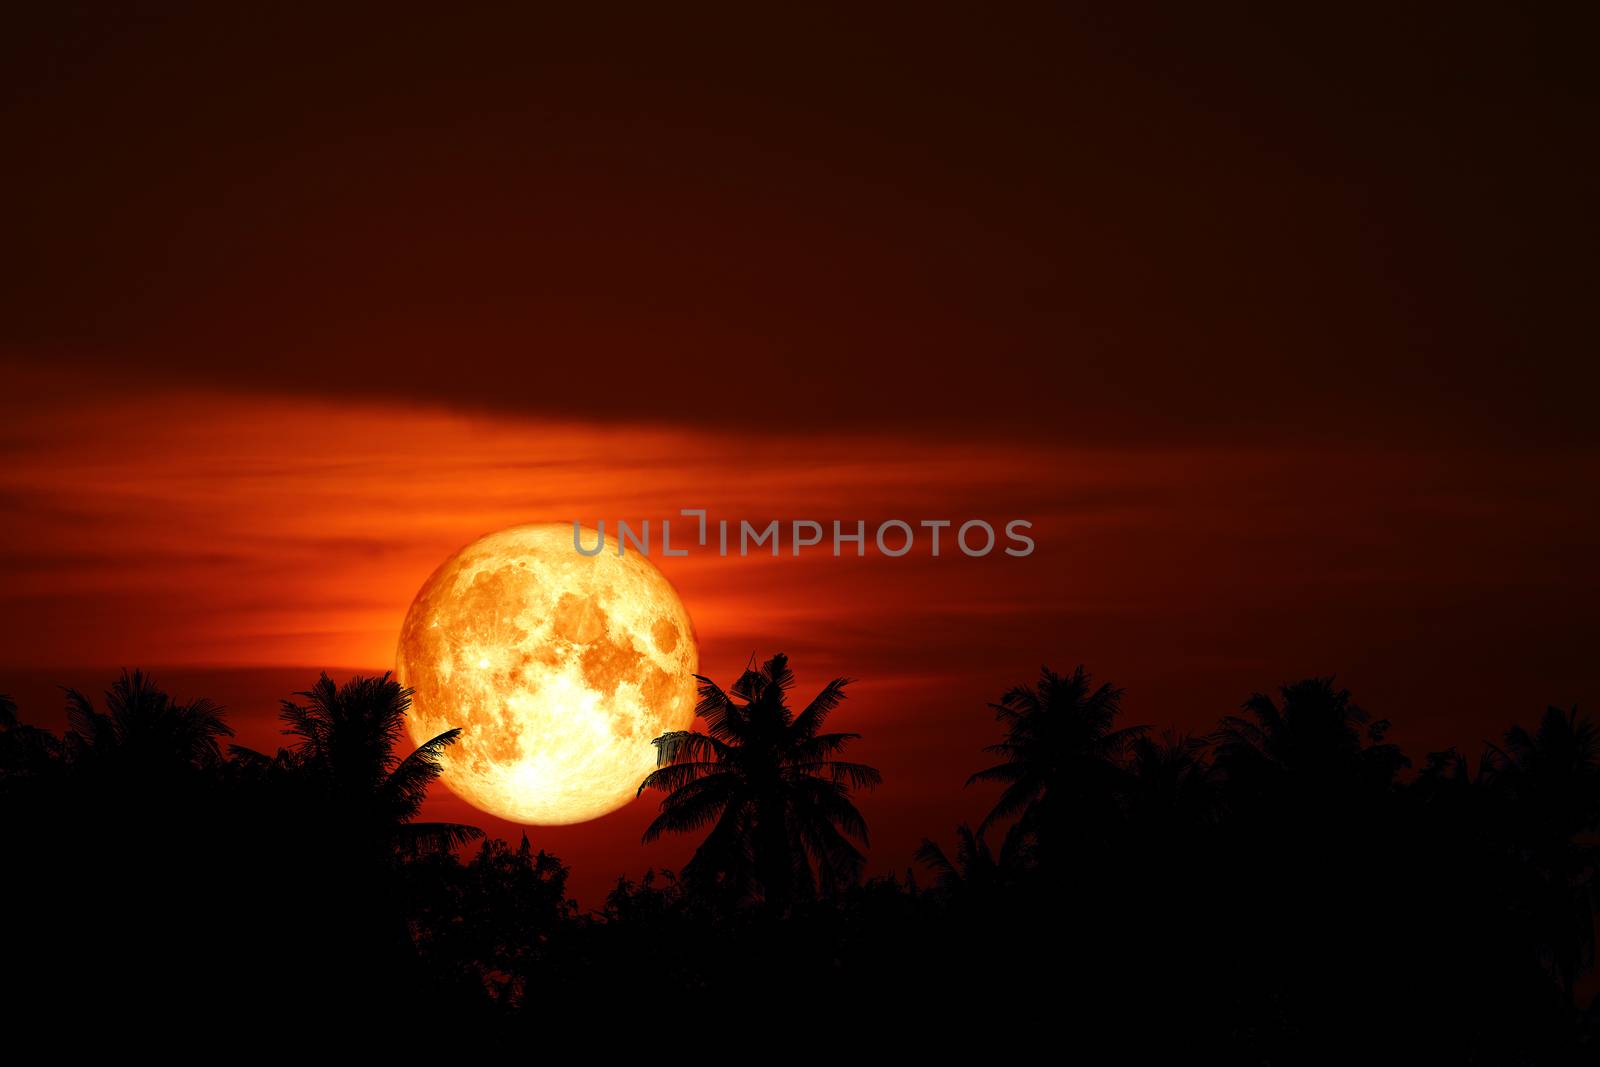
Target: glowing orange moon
(559,669)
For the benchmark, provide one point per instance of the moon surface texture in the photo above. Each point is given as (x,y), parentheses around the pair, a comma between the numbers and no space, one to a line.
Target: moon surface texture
(559,668)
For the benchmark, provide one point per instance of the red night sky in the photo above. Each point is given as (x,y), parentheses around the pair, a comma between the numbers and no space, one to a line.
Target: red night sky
(1241,315)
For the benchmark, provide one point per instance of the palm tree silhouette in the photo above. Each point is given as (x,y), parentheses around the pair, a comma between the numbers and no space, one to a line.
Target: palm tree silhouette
(767,784)
(1551,777)
(1312,741)
(346,740)
(1559,762)
(975,874)
(25,750)
(1171,787)
(143,726)
(1061,752)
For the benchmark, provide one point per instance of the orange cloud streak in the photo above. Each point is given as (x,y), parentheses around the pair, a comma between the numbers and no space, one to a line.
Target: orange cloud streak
(228,530)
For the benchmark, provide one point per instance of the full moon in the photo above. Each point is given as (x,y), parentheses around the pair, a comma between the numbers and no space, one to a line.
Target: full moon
(559,668)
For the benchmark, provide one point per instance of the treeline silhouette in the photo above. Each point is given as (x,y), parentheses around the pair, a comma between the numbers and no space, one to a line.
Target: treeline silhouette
(1285,889)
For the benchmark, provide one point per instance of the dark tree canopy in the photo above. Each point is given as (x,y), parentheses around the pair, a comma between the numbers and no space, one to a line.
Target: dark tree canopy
(1282,889)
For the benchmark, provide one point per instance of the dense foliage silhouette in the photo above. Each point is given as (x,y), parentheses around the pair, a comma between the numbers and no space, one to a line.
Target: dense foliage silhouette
(1286,889)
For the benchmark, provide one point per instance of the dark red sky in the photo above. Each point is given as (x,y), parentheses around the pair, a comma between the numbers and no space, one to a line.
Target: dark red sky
(1273,323)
